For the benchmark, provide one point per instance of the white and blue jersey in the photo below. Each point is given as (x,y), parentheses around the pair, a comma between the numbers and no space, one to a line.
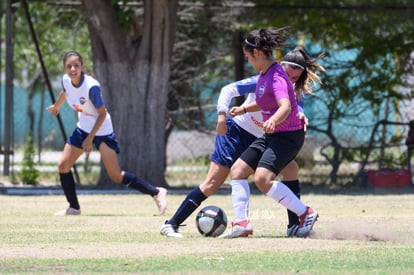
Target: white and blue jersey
(85,99)
(241,130)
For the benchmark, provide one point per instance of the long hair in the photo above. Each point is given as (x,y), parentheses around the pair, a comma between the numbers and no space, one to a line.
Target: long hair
(267,39)
(298,58)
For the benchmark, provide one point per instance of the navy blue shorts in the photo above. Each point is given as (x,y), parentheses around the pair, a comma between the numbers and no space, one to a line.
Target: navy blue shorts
(274,151)
(228,148)
(78,136)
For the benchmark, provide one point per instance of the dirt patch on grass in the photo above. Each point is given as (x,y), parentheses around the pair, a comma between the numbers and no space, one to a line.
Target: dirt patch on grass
(125,226)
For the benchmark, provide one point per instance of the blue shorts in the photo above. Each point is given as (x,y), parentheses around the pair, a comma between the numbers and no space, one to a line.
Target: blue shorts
(274,151)
(228,148)
(78,136)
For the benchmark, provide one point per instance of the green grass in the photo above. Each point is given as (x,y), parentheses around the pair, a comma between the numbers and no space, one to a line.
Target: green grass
(377,261)
(356,234)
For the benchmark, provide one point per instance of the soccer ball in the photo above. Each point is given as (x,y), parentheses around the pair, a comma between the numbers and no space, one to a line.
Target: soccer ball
(211,221)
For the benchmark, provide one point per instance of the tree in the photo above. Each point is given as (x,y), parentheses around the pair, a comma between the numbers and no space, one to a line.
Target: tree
(377,33)
(52,43)
(370,45)
(131,56)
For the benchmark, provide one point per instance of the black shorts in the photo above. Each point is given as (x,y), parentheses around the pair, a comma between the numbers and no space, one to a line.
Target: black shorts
(274,151)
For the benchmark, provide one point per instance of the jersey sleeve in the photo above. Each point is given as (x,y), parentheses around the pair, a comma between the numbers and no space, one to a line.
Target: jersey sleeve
(96,96)
(63,86)
(301,103)
(280,88)
(228,92)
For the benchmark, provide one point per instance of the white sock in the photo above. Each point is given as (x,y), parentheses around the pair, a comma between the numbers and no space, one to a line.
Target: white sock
(240,194)
(282,194)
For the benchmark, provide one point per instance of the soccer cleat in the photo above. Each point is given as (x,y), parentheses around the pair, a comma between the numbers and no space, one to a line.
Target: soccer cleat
(307,220)
(161,200)
(292,230)
(68,211)
(170,231)
(238,229)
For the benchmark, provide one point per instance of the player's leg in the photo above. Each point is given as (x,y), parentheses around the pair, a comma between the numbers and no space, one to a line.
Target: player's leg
(110,160)
(216,176)
(276,156)
(227,149)
(240,194)
(68,158)
(240,190)
(284,196)
(290,176)
(264,179)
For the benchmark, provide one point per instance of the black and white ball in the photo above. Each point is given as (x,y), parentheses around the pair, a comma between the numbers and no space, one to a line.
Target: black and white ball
(211,221)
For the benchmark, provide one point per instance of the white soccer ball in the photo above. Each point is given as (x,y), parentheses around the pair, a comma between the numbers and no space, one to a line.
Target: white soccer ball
(211,221)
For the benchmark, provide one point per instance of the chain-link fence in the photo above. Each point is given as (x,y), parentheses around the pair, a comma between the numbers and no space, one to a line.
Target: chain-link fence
(340,150)
(358,118)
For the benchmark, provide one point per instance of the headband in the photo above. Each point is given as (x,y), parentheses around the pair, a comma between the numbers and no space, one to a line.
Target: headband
(292,63)
(249,43)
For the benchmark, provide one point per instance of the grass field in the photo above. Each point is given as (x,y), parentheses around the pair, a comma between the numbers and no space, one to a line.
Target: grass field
(355,234)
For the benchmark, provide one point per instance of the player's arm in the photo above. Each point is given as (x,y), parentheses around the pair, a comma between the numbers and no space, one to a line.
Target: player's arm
(279,116)
(96,98)
(240,110)
(55,108)
(227,93)
(235,89)
(301,113)
(281,94)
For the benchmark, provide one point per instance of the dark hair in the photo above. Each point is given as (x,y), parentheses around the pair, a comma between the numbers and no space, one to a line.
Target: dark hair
(299,59)
(72,53)
(267,39)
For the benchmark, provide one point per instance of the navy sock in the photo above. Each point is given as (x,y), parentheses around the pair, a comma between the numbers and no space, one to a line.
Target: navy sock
(188,206)
(69,188)
(295,188)
(133,181)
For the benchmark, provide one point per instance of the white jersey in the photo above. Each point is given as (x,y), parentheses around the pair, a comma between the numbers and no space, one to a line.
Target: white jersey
(85,99)
(252,122)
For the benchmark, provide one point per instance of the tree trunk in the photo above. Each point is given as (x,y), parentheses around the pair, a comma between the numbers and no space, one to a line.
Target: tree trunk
(133,68)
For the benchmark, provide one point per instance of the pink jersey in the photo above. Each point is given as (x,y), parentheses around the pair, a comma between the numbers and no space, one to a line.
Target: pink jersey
(272,86)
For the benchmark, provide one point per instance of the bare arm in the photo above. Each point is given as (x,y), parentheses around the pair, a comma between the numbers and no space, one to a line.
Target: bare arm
(240,110)
(221,127)
(55,108)
(279,116)
(87,143)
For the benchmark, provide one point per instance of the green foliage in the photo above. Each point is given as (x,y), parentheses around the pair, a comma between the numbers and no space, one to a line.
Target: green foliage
(369,45)
(58,29)
(29,174)
(202,61)
(125,13)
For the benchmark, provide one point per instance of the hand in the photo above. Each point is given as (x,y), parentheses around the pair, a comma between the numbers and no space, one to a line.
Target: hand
(269,126)
(305,121)
(236,111)
(87,145)
(221,127)
(53,110)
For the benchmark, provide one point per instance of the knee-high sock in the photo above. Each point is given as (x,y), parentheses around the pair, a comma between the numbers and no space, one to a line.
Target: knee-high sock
(133,181)
(294,186)
(280,193)
(188,206)
(69,188)
(240,195)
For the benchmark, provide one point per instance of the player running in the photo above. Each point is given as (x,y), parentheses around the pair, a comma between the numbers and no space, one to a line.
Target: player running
(83,93)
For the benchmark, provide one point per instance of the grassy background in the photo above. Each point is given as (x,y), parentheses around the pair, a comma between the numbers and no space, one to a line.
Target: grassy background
(355,234)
